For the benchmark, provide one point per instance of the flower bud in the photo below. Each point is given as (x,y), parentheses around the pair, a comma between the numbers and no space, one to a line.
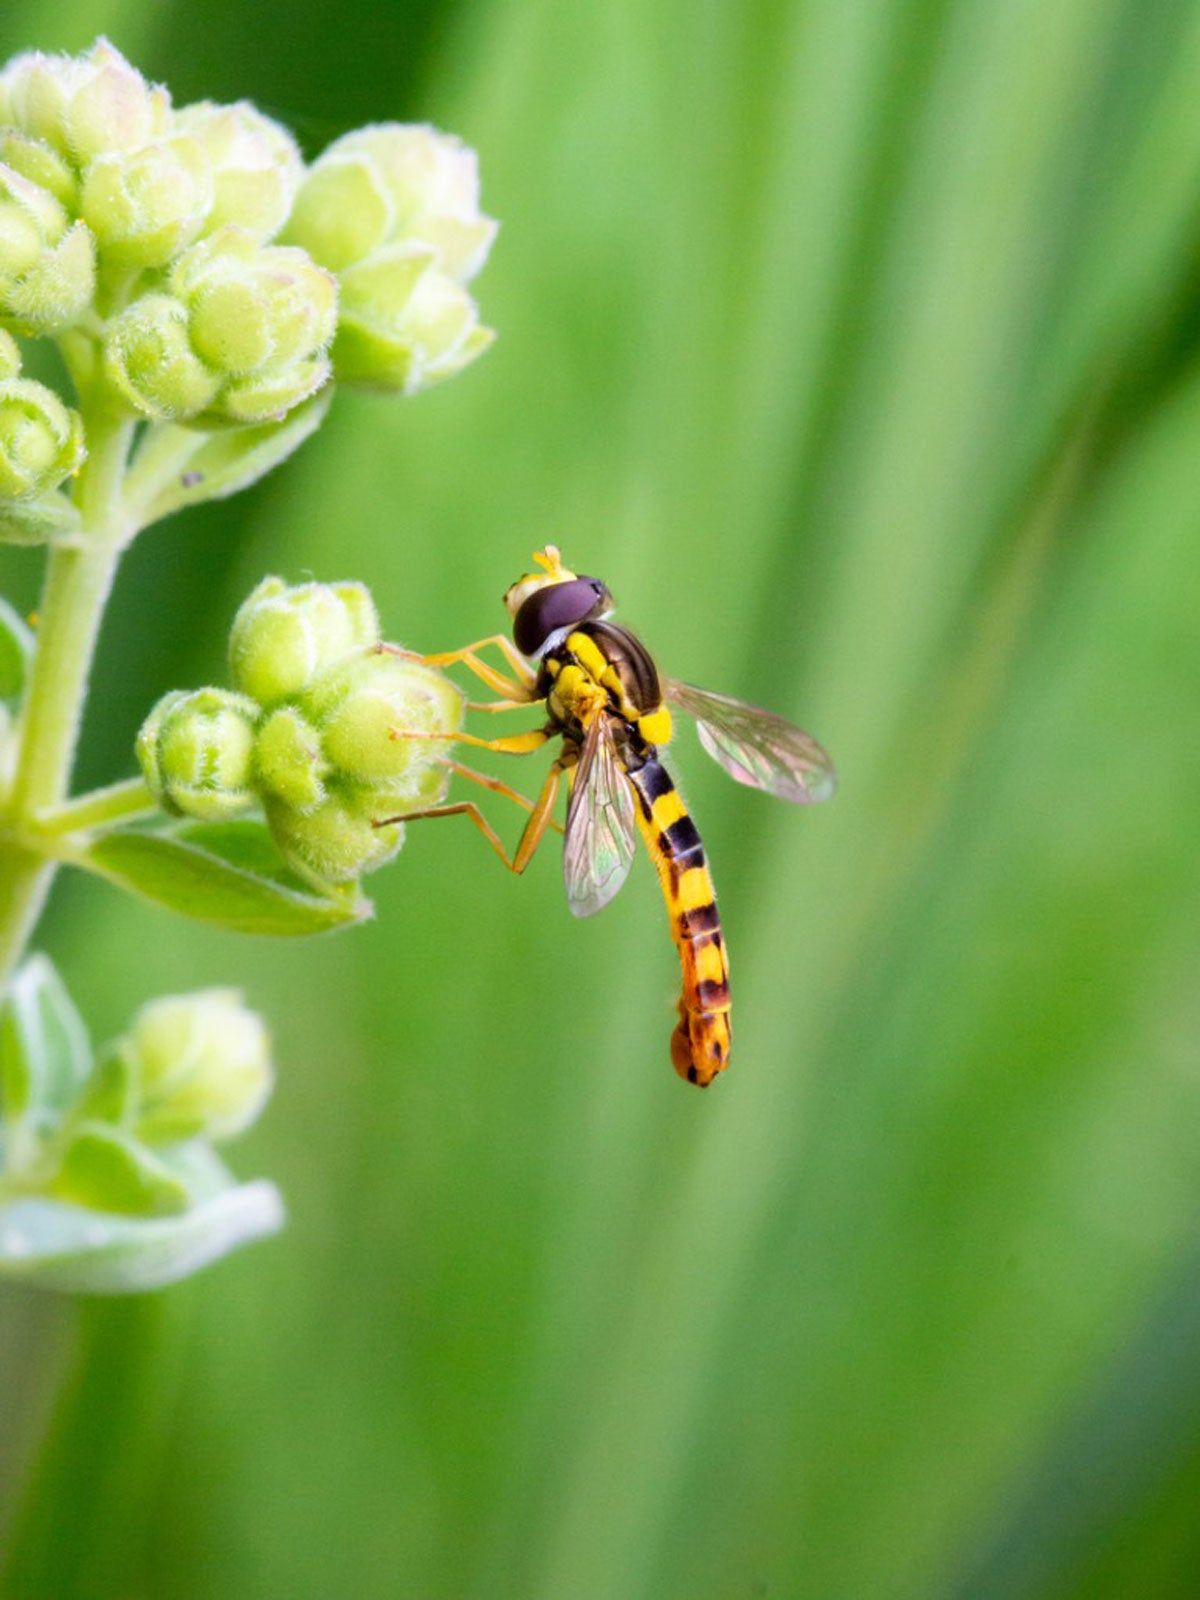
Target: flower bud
(269,396)
(256,165)
(83,106)
(202,1063)
(394,210)
(404,326)
(47,270)
(335,843)
(196,752)
(40,164)
(282,637)
(41,441)
(149,361)
(394,184)
(361,707)
(289,764)
(261,317)
(145,205)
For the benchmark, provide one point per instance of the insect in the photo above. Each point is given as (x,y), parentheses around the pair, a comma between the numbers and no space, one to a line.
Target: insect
(609,707)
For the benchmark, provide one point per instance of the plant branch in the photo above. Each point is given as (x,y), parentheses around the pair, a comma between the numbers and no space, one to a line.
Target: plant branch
(78,581)
(97,809)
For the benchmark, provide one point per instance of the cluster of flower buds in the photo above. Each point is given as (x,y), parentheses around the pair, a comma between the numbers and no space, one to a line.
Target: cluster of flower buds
(316,731)
(162,220)
(238,334)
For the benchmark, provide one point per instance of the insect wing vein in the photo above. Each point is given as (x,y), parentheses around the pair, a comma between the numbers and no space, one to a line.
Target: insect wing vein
(755,746)
(601,834)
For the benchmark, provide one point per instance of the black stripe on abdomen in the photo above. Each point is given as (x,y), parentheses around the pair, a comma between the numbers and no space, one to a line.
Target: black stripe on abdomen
(682,838)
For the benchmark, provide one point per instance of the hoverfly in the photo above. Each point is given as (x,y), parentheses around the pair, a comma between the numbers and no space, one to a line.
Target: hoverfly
(610,708)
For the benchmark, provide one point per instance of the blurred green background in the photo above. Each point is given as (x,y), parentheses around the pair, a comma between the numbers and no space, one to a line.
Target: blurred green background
(857,344)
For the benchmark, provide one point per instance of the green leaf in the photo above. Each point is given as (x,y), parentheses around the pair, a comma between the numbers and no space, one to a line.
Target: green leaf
(108,1170)
(44,1050)
(54,1245)
(16,649)
(37,521)
(232,460)
(228,874)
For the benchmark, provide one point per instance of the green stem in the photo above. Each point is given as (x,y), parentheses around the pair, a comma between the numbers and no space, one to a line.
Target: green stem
(160,459)
(99,808)
(78,581)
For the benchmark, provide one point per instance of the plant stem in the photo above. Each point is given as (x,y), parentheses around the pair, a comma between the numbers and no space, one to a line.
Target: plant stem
(78,581)
(99,808)
(161,457)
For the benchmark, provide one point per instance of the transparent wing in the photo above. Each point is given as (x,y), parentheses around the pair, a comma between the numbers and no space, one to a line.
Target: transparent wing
(756,747)
(601,835)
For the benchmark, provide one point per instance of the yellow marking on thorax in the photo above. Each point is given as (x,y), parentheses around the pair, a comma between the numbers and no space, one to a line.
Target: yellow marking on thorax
(654,726)
(575,694)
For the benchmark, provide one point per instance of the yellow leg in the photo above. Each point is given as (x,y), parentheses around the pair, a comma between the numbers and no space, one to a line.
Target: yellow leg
(533,834)
(520,685)
(516,744)
(498,705)
(486,781)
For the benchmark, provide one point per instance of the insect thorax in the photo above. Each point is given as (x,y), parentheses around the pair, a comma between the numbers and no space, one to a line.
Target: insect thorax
(602,666)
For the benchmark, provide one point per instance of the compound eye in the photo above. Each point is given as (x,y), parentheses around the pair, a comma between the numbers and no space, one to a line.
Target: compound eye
(559,605)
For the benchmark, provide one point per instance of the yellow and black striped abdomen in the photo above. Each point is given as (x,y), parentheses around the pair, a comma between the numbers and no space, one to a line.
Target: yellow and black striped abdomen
(700,1043)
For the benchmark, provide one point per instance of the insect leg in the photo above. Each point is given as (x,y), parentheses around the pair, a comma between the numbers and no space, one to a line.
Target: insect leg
(535,828)
(539,820)
(486,781)
(460,808)
(520,685)
(516,744)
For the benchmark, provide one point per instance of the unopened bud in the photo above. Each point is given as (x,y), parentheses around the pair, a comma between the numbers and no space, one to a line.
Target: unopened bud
(149,361)
(256,165)
(404,325)
(40,164)
(196,753)
(394,210)
(41,441)
(283,637)
(145,205)
(83,105)
(47,270)
(335,843)
(260,316)
(363,707)
(202,1063)
(289,764)
(391,184)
